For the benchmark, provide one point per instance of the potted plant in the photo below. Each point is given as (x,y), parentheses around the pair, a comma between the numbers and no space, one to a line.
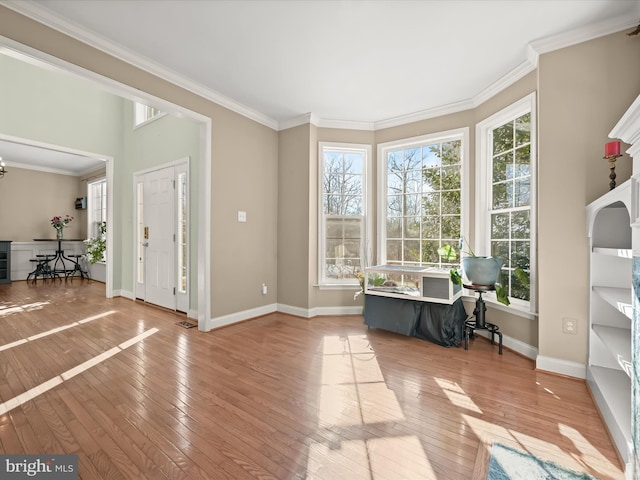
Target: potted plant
(480,270)
(96,246)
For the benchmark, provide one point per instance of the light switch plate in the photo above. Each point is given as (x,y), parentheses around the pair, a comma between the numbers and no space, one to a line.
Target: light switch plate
(242,216)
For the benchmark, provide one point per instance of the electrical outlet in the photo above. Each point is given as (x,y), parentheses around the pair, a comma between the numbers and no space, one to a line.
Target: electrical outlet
(570,326)
(264,288)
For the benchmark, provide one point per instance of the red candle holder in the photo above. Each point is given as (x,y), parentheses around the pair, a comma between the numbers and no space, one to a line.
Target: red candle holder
(611,154)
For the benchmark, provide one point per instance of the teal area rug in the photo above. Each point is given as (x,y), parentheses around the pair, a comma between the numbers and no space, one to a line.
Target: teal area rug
(509,464)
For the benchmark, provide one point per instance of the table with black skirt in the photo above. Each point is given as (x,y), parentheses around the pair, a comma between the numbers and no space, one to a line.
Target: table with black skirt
(440,323)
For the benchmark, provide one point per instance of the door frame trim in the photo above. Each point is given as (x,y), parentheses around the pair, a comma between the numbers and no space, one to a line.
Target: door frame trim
(45,60)
(136,175)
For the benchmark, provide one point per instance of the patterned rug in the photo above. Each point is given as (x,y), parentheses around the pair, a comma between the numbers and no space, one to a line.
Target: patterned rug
(507,463)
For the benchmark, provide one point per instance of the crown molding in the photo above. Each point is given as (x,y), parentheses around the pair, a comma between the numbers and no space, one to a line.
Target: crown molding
(346,124)
(299,120)
(583,34)
(41,15)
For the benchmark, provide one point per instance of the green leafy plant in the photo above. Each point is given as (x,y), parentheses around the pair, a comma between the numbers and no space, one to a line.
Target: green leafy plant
(448,253)
(97,246)
(375,280)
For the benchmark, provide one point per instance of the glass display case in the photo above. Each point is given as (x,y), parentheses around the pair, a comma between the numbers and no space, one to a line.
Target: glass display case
(427,284)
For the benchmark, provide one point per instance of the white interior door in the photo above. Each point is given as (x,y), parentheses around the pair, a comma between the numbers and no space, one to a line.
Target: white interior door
(159,237)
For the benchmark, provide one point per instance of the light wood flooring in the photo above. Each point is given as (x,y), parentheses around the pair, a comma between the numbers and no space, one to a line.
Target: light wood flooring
(277,397)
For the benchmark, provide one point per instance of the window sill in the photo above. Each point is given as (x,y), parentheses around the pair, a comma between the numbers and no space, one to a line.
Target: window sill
(512,309)
(337,286)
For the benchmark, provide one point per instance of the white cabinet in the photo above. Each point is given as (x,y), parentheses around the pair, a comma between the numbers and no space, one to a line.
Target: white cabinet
(611,312)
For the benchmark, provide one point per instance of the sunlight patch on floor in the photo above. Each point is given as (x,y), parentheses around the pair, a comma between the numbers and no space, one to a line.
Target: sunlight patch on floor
(37,336)
(397,457)
(560,454)
(57,380)
(585,453)
(457,395)
(4,311)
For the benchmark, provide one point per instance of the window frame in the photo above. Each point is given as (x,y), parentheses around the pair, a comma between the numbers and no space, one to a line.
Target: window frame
(461,134)
(349,283)
(92,229)
(140,117)
(484,159)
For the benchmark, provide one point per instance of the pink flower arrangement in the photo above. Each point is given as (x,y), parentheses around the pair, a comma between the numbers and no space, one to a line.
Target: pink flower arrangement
(59,223)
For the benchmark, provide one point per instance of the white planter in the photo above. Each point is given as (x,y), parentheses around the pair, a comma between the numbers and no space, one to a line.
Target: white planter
(98,271)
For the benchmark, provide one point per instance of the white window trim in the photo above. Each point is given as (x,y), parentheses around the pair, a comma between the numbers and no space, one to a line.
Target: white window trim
(483,193)
(347,284)
(383,148)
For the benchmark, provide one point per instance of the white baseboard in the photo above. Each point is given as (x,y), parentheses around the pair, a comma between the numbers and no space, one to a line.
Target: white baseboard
(124,293)
(516,345)
(317,311)
(291,310)
(225,320)
(192,314)
(563,367)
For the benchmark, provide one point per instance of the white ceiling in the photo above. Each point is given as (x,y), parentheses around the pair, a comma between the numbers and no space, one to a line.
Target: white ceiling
(44,158)
(353,62)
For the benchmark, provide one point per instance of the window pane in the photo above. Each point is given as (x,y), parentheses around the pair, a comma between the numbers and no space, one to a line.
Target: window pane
(523,129)
(451,178)
(394,250)
(431,156)
(414,181)
(520,255)
(522,192)
(523,161)
(431,227)
(520,225)
(451,227)
(451,202)
(412,159)
(412,227)
(501,197)
(503,138)
(518,290)
(502,167)
(412,251)
(430,251)
(394,205)
(431,203)
(501,249)
(451,152)
(411,205)
(352,227)
(431,179)
(394,227)
(500,225)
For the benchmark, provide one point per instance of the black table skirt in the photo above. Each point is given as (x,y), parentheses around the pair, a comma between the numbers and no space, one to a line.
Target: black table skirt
(439,323)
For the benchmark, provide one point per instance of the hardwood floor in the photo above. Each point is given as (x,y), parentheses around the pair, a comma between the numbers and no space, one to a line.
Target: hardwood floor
(277,397)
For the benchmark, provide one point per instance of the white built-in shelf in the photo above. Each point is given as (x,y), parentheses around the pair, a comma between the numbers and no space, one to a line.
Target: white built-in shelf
(614,252)
(618,342)
(615,388)
(619,298)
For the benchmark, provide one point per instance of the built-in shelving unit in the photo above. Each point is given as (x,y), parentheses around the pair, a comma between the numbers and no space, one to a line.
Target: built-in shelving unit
(611,312)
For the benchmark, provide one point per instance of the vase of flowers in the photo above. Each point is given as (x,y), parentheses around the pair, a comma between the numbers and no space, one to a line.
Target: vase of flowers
(59,223)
